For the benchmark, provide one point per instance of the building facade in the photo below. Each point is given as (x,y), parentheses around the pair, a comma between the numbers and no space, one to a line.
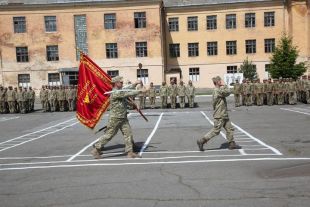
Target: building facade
(173,39)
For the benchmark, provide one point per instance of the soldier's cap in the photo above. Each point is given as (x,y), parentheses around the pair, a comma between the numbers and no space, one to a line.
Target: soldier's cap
(216,79)
(117,79)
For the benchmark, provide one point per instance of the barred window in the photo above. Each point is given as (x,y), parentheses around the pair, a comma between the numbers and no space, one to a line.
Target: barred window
(231,21)
(174,50)
(141,49)
(110,21)
(22,54)
(113,73)
(250,46)
(52,53)
(194,74)
(231,47)
(250,20)
(192,23)
(270,45)
(143,75)
(193,49)
(173,24)
(269,19)
(53,79)
(50,23)
(111,50)
(24,80)
(19,24)
(140,19)
(211,22)
(212,48)
(232,69)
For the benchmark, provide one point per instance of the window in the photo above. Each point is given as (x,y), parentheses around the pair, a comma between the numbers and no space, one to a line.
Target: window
(24,80)
(174,50)
(231,21)
(111,50)
(194,74)
(173,24)
(52,53)
(22,54)
(250,46)
(143,75)
(249,20)
(53,79)
(269,19)
(193,49)
(80,28)
(140,20)
(141,49)
(269,45)
(50,23)
(192,23)
(113,73)
(232,69)
(267,67)
(231,47)
(211,22)
(19,24)
(70,78)
(212,48)
(109,21)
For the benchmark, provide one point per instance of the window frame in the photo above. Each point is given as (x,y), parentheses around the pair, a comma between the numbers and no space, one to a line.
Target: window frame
(231,47)
(174,50)
(212,48)
(270,45)
(50,24)
(173,24)
(109,21)
(22,56)
(111,50)
(52,53)
(194,74)
(250,46)
(269,19)
(193,49)
(19,24)
(192,23)
(141,49)
(211,22)
(231,21)
(250,20)
(140,20)
(231,69)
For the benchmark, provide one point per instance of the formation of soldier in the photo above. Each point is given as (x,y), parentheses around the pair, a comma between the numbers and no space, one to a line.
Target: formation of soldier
(272,92)
(58,98)
(16,100)
(173,93)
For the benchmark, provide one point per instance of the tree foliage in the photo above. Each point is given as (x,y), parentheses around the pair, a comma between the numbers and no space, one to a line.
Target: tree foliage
(248,70)
(283,60)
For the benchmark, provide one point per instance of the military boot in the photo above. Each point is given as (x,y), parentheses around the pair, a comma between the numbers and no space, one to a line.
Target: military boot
(200,144)
(131,154)
(96,153)
(232,145)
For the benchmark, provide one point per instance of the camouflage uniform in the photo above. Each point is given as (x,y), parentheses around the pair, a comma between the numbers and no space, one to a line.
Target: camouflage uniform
(141,96)
(2,100)
(190,91)
(52,98)
(281,92)
(21,99)
(182,94)
(237,92)
(259,89)
(173,93)
(163,92)
(152,95)
(307,89)
(70,98)
(11,98)
(269,94)
(292,92)
(275,91)
(220,115)
(32,97)
(61,96)
(118,119)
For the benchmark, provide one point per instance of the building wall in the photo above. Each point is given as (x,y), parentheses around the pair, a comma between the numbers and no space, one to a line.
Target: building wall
(125,35)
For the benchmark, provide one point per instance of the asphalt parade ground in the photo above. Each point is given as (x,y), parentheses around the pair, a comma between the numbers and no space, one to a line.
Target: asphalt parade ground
(45,160)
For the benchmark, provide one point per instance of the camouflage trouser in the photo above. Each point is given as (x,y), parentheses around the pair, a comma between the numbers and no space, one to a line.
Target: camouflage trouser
(141,102)
(12,106)
(281,99)
(52,103)
(182,101)
(70,105)
(249,100)
(173,101)
(31,104)
(152,102)
(218,124)
(243,99)
(259,99)
(237,100)
(113,126)
(292,98)
(191,101)
(2,106)
(163,102)
(308,96)
(269,98)
(61,105)
(21,105)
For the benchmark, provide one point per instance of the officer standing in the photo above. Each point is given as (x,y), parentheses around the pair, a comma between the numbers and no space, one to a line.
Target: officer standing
(141,95)
(163,92)
(2,100)
(118,119)
(11,98)
(190,91)
(152,95)
(237,91)
(182,93)
(173,92)
(220,115)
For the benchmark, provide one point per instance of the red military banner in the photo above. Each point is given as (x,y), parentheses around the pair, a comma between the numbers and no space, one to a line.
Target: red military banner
(92,84)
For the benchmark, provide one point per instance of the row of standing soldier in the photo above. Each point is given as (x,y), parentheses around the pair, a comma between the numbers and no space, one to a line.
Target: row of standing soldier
(17,100)
(173,91)
(58,98)
(278,92)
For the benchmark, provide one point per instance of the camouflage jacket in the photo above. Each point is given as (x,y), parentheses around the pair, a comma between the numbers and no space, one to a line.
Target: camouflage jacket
(152,92)
(118,103)
(219,102)
(163,91)
(190,90)
(181,90)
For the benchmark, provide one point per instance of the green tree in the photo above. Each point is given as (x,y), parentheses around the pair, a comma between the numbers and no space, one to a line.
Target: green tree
(283,60)
(248,70)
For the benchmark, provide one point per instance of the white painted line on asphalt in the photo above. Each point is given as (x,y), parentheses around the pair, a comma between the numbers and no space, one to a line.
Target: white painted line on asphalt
(257,140)
(21,137)
(38,137)
(146,143)
(302,109)
(85,148)
(242,152)
(8,118)
(126,159)
(157,163)
(295,111)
